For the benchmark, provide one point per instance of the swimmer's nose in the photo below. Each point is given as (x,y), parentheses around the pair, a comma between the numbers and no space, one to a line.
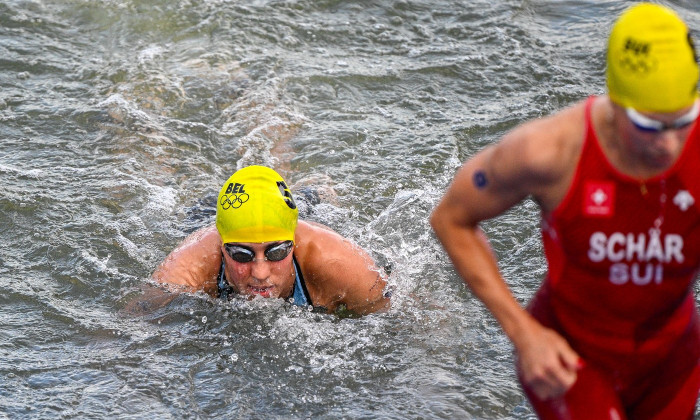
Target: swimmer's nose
(260,270)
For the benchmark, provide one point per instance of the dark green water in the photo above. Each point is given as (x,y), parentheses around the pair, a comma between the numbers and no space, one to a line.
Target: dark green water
(120,119)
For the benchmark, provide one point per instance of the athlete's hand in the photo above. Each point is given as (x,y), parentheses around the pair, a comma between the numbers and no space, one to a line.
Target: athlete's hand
(547,364)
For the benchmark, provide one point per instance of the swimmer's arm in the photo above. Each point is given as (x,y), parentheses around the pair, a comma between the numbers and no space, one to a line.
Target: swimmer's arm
(483,188)
(149,299)
(339,273)
(362,288)
(496,179)
(358,285)
(194,265)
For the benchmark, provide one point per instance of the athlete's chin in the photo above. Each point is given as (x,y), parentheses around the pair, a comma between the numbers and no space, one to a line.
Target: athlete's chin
(660,160)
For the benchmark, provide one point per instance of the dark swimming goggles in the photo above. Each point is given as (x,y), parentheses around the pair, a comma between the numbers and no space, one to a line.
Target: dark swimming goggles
(650,125)
(244,254)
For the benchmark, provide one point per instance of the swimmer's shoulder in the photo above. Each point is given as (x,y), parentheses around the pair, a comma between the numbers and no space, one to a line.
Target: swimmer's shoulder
(541,155)
(552,142)
(314,245)
(195,263)
(336,270)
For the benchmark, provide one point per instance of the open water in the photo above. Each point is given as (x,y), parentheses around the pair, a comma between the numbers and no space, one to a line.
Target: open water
(120,119)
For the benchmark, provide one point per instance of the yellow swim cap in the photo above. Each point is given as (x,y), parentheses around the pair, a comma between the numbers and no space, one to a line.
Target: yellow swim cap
(651,64)
(255,205)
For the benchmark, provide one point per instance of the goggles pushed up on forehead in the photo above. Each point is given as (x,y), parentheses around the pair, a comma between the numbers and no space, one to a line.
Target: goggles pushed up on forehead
(650,125)
(243,254)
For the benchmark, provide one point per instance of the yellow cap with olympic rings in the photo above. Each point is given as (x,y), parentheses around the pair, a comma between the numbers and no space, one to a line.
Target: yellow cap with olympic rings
(651,61)
(255,205)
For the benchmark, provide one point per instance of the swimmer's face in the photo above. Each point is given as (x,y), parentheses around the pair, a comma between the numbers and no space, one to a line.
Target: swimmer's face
(658,149)
(251,268)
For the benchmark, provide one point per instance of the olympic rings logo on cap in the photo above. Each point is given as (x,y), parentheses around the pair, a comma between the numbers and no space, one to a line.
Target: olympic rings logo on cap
(233,201)
(635,57)
(638,65)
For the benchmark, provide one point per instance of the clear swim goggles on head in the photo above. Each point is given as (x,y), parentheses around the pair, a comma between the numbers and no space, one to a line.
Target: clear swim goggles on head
(243,254)
(650,125)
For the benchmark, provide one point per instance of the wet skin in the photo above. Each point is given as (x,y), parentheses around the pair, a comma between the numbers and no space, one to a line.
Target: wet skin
(260,277)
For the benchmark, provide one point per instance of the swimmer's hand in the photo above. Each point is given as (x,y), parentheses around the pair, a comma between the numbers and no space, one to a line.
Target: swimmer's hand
(547,365)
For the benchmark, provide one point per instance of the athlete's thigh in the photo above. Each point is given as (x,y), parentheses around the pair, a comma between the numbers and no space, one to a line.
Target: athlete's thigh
(671,392)
(679,405)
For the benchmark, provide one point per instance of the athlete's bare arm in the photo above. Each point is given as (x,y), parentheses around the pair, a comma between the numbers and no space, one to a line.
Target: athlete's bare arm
(534,160)
(191,267)
(337,272)
(195,263)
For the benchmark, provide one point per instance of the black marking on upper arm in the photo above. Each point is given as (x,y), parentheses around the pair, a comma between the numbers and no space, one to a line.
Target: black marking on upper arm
(480,180)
